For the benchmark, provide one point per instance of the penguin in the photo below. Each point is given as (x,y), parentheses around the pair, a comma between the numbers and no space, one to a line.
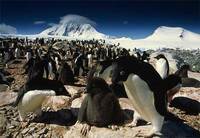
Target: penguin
(145,88)
(28,56)
(162,66)
(53,74)
(35,90)
(190,106)
(17,53)
(4,84)
(190,82)
(104,70)
(66,75)
(90,60)
(183,71)
(6,57)
(187,81)
(79,65)
(32,101)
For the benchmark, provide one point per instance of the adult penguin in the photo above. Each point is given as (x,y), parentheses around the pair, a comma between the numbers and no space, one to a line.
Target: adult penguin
(32,94)
(145,88)
(4,83)
(187,81)
(32,102)
(162,66)
(17,52)
(28,55)
(79,65)
(183,71)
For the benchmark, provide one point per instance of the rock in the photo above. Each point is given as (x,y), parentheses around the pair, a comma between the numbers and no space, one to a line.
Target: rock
(3,121)
(57,102)
(15,123)
(43,131)
(170,129)
(15,134)
(11,127)
(73,90)
(7,98)
(25,131)
(74,132)
(35,135)
(76,104)
(3,87)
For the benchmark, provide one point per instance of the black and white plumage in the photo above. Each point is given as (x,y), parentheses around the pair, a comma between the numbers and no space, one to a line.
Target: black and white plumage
(31,102)
(183,71)
(28,56)
(162,66)
(32,94)
(187,81)
(17,53)
(145,88)
(103,70)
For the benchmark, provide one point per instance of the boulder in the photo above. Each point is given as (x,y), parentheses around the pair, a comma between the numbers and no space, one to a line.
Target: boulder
(3,87)
(7,98)
(56,103)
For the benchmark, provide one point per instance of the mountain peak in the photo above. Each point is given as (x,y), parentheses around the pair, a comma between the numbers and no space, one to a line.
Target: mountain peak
(74,29)
(163,30)
(172,33)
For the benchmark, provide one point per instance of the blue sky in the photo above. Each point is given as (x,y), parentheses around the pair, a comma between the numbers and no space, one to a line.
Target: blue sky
(136,19)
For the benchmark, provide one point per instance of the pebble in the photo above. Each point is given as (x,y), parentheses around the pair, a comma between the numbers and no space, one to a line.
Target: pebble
(25,131)
(32,130)
(43,131)
(11,127)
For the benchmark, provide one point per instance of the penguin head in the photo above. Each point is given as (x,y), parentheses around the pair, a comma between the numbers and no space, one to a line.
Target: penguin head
(121,68)
(186,67)
(96,83)
(160,56)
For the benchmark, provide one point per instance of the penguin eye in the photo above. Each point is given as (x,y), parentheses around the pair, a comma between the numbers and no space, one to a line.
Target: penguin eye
(122,73)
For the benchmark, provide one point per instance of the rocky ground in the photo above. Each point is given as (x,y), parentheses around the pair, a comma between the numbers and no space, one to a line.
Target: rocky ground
(59,115)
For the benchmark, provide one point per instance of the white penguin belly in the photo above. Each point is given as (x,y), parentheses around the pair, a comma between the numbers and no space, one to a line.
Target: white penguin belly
(28,56)
(32,100)
(161,68)
(142,98)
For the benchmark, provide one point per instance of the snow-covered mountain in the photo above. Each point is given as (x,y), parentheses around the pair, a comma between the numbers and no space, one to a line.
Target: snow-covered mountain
(173,33)
(164,37)
(74,30)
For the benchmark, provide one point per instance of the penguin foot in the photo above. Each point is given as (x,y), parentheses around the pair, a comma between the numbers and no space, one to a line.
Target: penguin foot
(85,129)
(113,127)
(132,124)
